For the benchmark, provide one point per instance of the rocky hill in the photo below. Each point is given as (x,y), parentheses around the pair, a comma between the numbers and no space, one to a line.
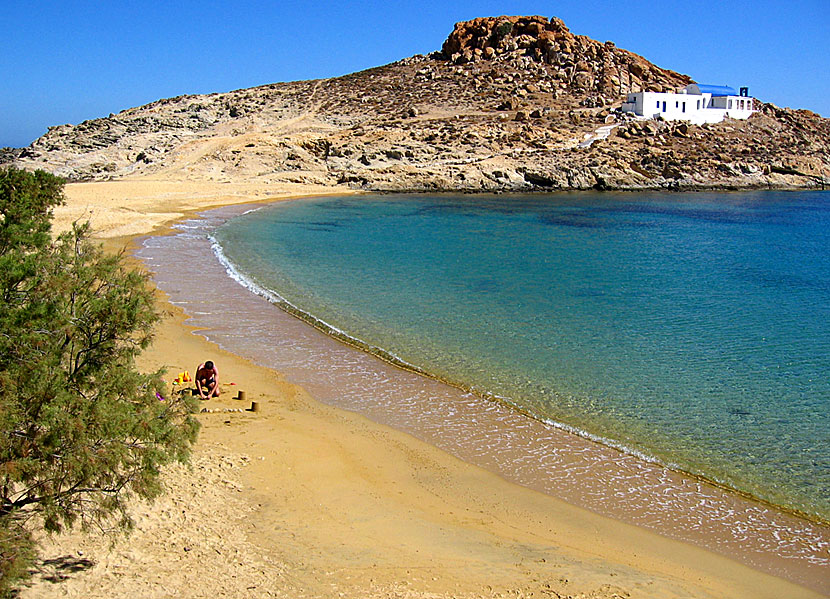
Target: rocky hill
(507,104)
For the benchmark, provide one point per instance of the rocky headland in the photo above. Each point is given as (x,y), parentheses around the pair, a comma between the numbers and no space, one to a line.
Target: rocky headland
(507,104)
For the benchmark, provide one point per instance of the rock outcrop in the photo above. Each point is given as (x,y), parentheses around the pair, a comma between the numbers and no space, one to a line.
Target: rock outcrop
(506,105)
(584,65)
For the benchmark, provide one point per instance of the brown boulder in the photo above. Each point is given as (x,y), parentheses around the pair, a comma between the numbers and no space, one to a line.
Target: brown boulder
(613,71)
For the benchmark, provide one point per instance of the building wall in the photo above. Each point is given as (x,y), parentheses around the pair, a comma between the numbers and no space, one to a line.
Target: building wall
(695,108)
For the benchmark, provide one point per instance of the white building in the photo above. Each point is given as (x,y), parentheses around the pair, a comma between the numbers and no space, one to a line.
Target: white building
(697,103)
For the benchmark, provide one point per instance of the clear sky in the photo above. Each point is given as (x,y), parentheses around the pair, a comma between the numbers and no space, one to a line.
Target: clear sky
(68,61)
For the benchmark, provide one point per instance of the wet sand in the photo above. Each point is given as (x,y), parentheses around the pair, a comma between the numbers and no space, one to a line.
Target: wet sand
(306,499)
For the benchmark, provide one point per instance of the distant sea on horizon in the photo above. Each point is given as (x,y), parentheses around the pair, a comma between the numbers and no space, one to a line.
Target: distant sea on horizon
(690,331)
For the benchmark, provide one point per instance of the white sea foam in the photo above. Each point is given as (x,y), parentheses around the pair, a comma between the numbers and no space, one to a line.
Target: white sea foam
(277,299)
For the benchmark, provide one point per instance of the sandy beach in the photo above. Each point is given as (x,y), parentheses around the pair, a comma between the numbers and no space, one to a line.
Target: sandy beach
(303,499)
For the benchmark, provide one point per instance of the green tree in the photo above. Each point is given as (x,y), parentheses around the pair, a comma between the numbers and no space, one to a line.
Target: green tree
(81,429)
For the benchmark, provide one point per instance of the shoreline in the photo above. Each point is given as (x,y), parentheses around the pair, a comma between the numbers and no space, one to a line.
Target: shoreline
(629,542)
(556,462)
(304,507)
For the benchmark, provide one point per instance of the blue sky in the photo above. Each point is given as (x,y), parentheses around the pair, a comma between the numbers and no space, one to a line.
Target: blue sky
(65,62)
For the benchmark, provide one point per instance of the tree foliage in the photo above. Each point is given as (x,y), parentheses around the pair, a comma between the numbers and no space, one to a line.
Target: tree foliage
(81,429)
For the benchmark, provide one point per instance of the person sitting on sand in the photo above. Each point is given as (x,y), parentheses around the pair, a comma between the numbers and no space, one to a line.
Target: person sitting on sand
(207,380)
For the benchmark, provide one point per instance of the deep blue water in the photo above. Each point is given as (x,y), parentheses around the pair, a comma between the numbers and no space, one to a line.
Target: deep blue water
(690,328)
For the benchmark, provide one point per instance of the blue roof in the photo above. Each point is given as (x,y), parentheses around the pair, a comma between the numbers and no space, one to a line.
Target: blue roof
(716,90)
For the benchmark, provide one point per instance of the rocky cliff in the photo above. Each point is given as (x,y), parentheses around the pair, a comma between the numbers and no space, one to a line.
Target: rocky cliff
(583,64)
(507,104)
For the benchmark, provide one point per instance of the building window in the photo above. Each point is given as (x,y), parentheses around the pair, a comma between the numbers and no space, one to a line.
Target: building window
(684,106)
(698,104)
(677,104)
(730,104)
(664,106)
(658,104)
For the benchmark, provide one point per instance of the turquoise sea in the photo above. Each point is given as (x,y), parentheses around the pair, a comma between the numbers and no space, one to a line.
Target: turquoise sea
(689,329)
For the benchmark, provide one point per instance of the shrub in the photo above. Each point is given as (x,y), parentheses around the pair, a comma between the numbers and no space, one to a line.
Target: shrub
(81,429)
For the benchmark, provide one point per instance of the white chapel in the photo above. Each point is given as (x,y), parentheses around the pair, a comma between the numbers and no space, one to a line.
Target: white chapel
(696,103)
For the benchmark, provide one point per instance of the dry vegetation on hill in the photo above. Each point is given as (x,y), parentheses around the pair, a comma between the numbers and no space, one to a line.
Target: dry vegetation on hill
(502,107)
